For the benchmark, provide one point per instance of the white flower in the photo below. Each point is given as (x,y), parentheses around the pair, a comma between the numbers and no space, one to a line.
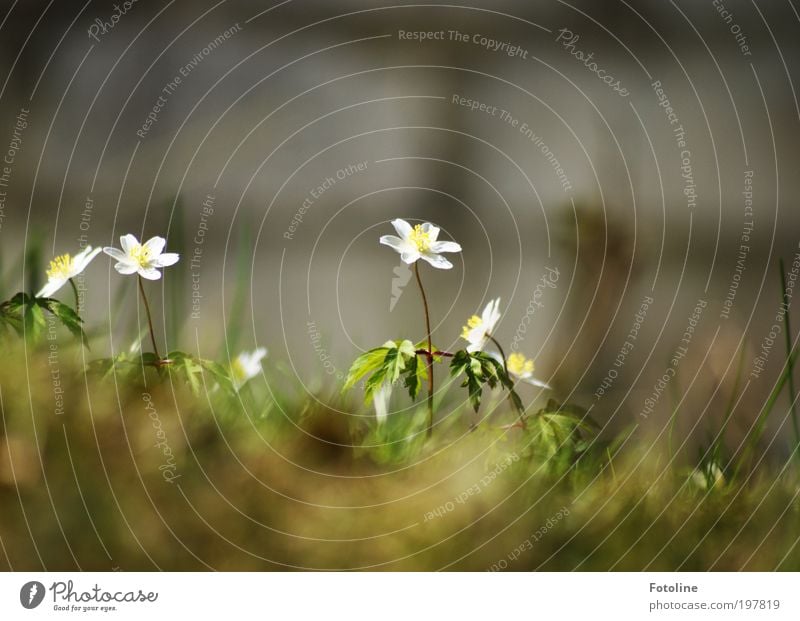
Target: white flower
(521,368)
(420,242)
(709,479)
(64,267)
(246,366)
(380,400)
(478,329)
(143,259)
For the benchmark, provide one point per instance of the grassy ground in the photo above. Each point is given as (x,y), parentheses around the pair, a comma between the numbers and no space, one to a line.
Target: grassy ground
(139,476)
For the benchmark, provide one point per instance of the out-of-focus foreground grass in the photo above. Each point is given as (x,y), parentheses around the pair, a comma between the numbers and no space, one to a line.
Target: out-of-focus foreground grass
(140,477)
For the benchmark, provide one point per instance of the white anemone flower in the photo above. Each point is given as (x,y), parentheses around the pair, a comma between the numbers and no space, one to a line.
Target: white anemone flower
(420,242)
(246,366)
(478,329)
(712,478)
(64,267)
(143,259)
(521,368)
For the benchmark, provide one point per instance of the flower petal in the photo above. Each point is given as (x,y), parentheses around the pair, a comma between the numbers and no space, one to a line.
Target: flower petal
(149,273)
(82,254)
(155,245)
(409,256)
(437,261)
(127,242)
(85,257)
(445,246)
(534,382)
(477,336)
(432,230)
(53,285)
(123,267)
(491,314)
(115,253)
(402,227)
(393,242)
(166,259)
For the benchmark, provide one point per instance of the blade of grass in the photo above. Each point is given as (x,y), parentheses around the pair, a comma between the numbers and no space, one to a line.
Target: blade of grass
(758,427)
(176,283)
(789,362)
(717,448)
(234,328)
(674,392)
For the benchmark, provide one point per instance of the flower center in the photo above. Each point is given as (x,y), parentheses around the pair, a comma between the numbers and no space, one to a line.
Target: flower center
(60,267)
(472,323)
(140,254)
(519,365)
(420,239)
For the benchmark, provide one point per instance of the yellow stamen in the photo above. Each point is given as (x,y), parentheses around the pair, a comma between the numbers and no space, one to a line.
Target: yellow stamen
(519,365)
(472,322)
(420,239)
(60,267)
(140,254)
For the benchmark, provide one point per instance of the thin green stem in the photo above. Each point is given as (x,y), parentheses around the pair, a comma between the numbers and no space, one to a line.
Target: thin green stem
(788,333)
(500,349)
(430,349)
(77,297)
(149,319)
(520,412)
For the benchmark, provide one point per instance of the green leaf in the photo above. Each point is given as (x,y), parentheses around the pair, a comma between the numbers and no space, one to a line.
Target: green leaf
(394,362)
(385,364)
(220,374)
(478,369)
(35,323)
(407,348)
(374,382)
(364,364)
(12,312)
(415,372)
(475,390)
(67,316)
(471,367)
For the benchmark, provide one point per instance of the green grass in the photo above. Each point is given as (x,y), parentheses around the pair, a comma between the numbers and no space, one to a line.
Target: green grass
(267,481)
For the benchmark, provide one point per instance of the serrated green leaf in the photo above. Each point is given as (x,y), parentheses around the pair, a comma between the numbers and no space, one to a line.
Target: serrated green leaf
(13,312)
(478,369)
(374,383)
(35,323)
(220,374)
(415,372)
(366,363)
(475,391)
(407,349)
(67,316)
